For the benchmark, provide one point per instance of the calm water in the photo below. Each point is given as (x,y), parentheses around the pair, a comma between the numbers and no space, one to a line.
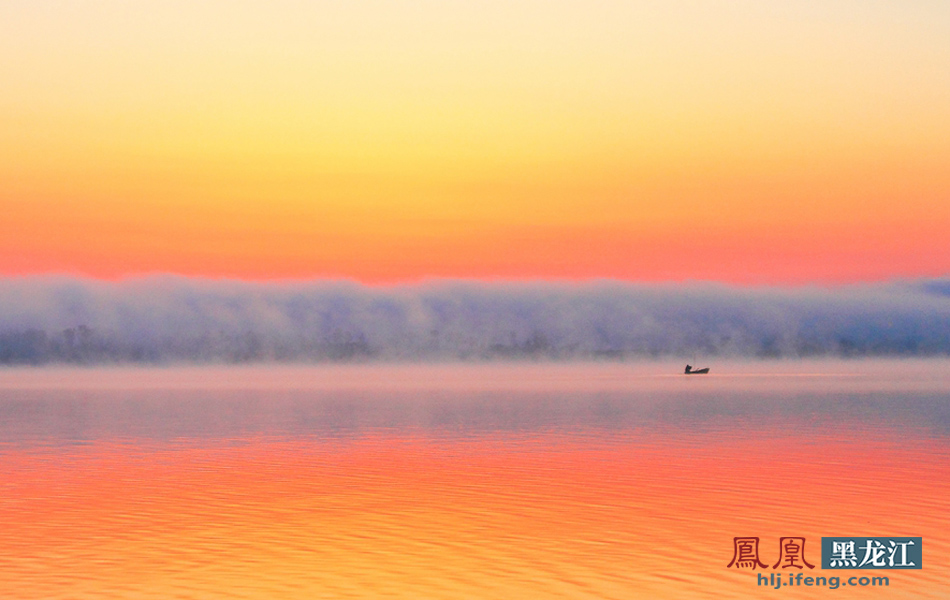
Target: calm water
(530,481)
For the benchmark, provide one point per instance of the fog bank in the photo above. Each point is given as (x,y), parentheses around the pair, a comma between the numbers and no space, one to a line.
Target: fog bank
(172,320)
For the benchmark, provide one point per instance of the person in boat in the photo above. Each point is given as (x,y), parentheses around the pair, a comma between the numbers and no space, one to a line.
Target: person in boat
(689,368)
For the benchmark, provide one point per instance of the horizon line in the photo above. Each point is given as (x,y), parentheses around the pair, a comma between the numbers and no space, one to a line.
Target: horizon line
(440,279)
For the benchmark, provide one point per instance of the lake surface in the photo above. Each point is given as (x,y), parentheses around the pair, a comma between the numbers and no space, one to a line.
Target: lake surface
(486,481)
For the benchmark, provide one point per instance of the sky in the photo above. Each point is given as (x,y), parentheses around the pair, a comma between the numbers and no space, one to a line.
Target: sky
(742,142)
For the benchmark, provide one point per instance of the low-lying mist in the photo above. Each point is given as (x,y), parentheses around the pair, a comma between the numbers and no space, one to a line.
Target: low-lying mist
(174,320)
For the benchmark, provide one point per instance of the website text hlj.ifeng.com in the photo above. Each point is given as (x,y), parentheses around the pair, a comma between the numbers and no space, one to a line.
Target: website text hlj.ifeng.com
(775,580)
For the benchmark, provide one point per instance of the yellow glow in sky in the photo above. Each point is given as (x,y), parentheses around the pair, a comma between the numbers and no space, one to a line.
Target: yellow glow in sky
(363,139)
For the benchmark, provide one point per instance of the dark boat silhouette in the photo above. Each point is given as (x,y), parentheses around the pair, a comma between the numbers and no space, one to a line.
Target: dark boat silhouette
(690,371)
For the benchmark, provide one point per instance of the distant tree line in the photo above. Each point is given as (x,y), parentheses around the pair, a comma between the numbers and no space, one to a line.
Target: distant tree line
(82,345)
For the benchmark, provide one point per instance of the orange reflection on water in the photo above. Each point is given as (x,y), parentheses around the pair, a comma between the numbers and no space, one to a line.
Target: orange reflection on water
(588,514)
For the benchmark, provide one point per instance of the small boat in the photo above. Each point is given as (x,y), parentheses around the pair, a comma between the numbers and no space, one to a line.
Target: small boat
(691,371)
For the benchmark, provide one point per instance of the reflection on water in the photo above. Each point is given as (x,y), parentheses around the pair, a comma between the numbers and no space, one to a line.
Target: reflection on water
(532,481)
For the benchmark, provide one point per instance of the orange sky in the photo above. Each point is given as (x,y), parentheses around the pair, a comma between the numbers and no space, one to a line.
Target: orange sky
(748,142)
